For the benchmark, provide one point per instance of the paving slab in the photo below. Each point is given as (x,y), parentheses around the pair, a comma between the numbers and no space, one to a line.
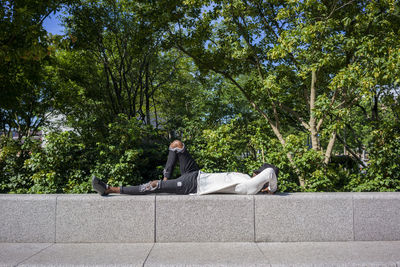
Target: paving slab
(377,216)
(358,253)
(13,253)
(90,254)
(206,254)
(209,218)
(332,253)
(27,218)
(111,219)
(304,217)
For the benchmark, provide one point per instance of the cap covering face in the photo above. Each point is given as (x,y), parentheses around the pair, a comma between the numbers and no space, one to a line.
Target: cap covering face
(266,165)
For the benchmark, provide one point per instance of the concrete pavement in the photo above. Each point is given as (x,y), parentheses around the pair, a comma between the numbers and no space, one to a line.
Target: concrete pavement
(299,229)
(352,253)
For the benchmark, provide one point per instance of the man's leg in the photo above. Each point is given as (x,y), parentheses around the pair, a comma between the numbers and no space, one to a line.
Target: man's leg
(185,184)
(172,159)
(142,189)
(187,164)
(157,186)
(174,186)
(104,189)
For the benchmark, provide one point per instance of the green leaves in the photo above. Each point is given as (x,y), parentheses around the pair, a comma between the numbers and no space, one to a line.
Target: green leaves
(131,75)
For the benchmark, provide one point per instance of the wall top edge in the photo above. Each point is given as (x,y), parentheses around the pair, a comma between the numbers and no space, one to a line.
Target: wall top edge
(211,196)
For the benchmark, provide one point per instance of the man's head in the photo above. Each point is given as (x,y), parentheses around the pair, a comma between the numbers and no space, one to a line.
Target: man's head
(263,167)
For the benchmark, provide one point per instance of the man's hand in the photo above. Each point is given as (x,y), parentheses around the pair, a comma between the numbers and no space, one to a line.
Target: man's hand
(165,178)
(266,190)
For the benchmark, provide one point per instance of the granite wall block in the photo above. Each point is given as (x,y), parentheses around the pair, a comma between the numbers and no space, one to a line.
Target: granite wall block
(377,216)
(208,218)
(115,218)
(27,218)
(303,217)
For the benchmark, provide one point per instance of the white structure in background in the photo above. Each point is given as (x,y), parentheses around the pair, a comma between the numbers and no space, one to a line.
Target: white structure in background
(56,122)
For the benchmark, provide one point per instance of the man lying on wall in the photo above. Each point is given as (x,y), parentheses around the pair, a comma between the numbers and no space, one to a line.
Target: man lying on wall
(193,181)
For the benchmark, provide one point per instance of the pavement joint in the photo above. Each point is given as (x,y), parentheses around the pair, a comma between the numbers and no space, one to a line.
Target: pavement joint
(354,235)
(262,253)
(155,218)
(24,260)
(144,263)
(55,222)
(348,253)
(254,219)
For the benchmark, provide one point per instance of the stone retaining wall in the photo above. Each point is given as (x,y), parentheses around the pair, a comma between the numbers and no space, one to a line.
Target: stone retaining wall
(297,217)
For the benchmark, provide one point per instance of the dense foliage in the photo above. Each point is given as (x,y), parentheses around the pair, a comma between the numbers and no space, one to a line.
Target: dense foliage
(309,86)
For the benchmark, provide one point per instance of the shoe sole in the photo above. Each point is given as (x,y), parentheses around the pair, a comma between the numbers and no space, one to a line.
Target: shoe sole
(98,187)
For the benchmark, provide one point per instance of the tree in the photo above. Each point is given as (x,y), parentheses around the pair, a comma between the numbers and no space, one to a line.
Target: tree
(25,97)
(124,44)
(305,61)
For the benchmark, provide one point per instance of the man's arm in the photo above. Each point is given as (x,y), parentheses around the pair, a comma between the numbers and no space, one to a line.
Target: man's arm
(266,190)
(255,184)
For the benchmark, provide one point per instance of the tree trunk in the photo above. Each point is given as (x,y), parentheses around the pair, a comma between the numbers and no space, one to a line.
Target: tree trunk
(374,110)
(147,96)
(283,143)
(313,129)
(329,148)
(262,154)
(155,111)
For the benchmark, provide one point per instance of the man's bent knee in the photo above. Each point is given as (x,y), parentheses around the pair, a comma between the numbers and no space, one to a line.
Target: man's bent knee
(176,144)
(154,183)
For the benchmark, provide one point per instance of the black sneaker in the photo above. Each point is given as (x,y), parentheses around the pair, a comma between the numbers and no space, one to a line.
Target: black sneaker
(99,186)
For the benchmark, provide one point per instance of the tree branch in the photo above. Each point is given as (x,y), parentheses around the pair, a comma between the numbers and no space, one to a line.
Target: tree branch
(351,151)
(296,115)
(326,113)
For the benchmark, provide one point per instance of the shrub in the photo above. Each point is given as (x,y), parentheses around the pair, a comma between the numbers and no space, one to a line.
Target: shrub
(14,176)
